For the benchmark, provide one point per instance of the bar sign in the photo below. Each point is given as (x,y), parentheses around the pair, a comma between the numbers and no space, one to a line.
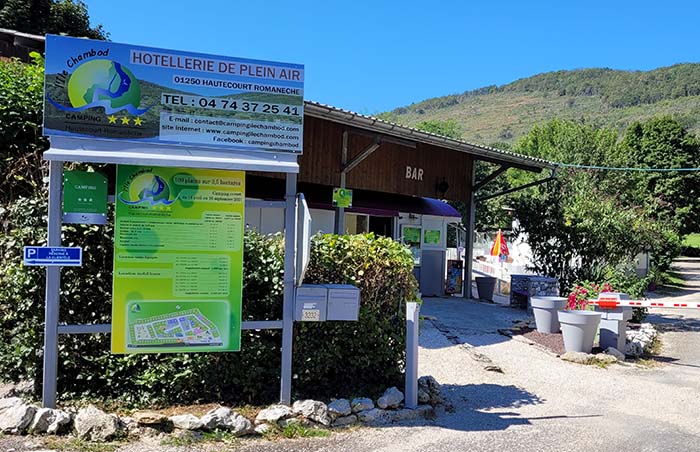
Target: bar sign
(53,256)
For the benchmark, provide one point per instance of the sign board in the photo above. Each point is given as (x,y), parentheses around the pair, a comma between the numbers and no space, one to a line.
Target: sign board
(178,260)
(105,90)
(303,239)
(342,197)
(84,197)
(53,256)
(411,237)
(431,237)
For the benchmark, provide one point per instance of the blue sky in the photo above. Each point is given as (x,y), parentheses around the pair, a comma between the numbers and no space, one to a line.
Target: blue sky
(373,56)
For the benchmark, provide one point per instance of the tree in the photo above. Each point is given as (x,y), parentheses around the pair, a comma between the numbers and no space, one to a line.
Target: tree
(69,17)
(585,225)
(667,196)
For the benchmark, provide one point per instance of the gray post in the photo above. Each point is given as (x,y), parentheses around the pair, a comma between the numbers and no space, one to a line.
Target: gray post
(340,211)
(290,217)
(412,311)
(469,242)
(53,281)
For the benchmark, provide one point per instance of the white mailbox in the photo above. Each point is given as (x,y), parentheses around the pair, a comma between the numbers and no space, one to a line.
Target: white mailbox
(311,303)
(343,302)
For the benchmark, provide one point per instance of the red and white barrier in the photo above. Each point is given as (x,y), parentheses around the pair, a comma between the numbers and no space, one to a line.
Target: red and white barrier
(612,300)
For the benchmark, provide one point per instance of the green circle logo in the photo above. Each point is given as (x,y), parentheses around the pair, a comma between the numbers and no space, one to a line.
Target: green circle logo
(149,188)
(104,83)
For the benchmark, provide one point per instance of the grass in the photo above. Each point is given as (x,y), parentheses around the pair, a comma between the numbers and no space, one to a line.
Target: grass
(80,445)
(189,438)
(648,359)
(296,430)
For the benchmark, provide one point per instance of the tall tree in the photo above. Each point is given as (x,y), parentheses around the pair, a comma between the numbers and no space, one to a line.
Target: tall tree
(668,196)
(40,17)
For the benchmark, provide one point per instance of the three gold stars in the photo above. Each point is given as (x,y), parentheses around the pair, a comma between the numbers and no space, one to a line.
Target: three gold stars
(125,120)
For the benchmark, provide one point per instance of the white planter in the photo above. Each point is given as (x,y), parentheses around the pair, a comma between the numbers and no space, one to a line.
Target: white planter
(578,329)
(545,310)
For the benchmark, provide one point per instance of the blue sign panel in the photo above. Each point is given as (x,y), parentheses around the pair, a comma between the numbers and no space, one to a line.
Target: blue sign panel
(105,90)
(53,256)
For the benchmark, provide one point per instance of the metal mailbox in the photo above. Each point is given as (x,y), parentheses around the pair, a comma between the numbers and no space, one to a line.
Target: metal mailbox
(343,302)
(311,303)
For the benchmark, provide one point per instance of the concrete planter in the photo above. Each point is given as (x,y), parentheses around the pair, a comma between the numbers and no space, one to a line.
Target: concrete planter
(545,310)
(579,329)
(485,286)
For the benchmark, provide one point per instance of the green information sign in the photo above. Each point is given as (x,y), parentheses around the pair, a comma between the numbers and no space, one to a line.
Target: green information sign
(178,260)
(84,197)
(342,197)
(431,237)
(411,235)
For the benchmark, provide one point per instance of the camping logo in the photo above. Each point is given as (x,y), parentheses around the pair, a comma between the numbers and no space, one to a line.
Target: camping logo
(147,188)
(103,83)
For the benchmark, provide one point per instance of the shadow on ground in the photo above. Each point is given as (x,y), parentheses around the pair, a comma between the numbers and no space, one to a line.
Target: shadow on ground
(674,323)
(485,407)
(469,322)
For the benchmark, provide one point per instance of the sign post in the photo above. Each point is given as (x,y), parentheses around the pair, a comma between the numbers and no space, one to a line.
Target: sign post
(53,289)
(196,121)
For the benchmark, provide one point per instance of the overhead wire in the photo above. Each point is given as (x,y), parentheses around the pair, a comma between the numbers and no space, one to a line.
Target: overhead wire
(615,168)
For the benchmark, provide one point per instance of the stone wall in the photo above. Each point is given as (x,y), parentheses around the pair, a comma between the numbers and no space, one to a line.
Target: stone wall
(531,285)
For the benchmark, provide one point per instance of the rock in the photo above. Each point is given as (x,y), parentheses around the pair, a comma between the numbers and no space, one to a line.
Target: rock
(47,420)
(344,421)
(9,402)
(339,408)
(93,424)
(604,358)
(408,414)
(375,416)
(361,404)
(225,418)
(392,398)
(314,410)
(263,428)
(431,387)
(23,388)
(15,415)
(187,422)
(577,357)
(634,349)
(423,396)
(282,423)
(612,351)
(150,418)
(273,414)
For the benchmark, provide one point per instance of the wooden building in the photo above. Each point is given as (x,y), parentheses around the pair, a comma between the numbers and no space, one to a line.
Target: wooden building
(400,177)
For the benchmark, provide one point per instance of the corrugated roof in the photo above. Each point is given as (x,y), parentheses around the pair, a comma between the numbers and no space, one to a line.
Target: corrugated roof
(481,152)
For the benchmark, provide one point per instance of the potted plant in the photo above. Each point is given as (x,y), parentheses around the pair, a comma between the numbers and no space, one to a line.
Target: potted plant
(578,324)
(546,313)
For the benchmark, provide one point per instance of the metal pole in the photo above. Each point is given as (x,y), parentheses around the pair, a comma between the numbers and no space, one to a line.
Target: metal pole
(53,282)
(290,218)
(412,311)
(469,245)
(340,211)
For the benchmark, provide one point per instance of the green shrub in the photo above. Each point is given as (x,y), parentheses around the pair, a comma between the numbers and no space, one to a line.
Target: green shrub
(340,358)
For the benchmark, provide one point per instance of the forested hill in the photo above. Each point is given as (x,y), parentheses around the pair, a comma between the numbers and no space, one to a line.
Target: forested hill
(605,97)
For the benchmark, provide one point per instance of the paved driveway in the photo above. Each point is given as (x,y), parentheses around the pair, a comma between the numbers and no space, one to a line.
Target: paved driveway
(538,403)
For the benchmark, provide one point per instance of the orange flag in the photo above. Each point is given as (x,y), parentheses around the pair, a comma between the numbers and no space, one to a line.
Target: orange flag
(499,248)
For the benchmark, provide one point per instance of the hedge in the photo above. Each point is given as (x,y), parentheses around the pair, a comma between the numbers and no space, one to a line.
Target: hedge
(331,359)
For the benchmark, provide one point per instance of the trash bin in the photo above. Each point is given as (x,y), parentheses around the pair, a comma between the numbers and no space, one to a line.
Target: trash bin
(485,286)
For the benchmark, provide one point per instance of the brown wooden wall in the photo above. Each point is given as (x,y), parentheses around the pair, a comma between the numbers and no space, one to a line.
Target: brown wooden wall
(385,169)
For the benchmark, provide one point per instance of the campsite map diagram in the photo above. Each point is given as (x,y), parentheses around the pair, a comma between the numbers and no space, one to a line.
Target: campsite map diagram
(183,328)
